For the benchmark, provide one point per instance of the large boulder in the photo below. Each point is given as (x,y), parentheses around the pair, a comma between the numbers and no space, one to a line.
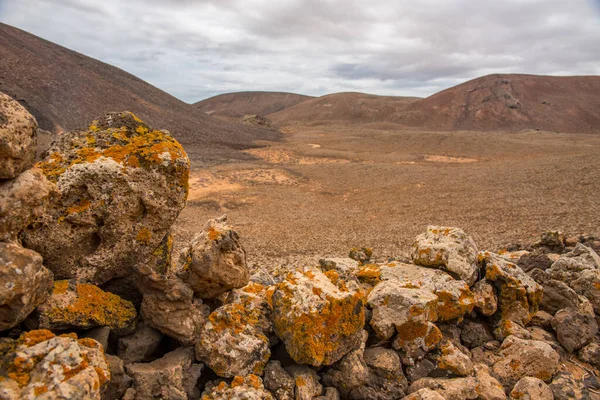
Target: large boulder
(519,295)
(244,388)
(85,306)
(575,327)
(450,249)
(24,283)
(214,262)
(22,200)
(18,138)
(122,184)
(172,377)
(40,365)
(520,358)
(318,321)
(234,341)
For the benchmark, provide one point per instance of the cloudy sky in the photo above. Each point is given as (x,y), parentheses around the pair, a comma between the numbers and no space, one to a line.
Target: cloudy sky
(194,49)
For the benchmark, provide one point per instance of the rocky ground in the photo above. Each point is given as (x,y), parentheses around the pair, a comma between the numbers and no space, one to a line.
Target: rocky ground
(95,303)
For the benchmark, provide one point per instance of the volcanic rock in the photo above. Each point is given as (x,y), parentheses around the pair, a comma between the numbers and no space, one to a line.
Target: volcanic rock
(575,327)
(247,388)
(119,380)
(140,345)
(18,138)
(529,388)
(278,381)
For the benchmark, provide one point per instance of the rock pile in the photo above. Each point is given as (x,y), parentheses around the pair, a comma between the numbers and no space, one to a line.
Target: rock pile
(95,306)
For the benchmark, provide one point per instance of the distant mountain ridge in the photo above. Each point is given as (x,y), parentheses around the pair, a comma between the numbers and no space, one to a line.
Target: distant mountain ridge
(65,90)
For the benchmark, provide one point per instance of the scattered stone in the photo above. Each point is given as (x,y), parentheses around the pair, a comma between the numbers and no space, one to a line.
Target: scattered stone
(450,249)
(488,387)
(565,386)
(318,321)
(420,369)
(362,255)
(575,327)
(506,328)
(558,295)
(521,358)
(55,367)
(529,388)
(424,394)
(452,360)
(119,380)
(22,200)
(591,354)
(121,185)
(518,294)
(486,301)
(18,138)
(330,393)
(535,259)
(140,346)
(246,388)
(306,380)
(541,319)
(278,381)
(166,378)
(85,306)
(346,267)
(450,389)
(241,327)
(24,283)
(552,240)
(475,334)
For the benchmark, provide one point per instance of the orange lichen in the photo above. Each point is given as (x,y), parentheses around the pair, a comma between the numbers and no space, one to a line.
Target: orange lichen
(39,390)
(514,364)
(370,274)
(450,307)
(60,287)
(88,342)
(237,381)
(79,207)
(92,306)
(213,234)
(300,381)
(144,236)
(32,338)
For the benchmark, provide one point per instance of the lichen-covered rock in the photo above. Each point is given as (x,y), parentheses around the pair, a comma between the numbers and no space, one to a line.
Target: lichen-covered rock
(565,386)
(424,394)
(450,249)
(243,388)
(24,283)
(22,200)
(169,305)
(214,262)
(552,240)
(450,389)
(318,321)
(346,267)
(122,185)
(18,138)
(506,328)
(519,295)
(170,377)
(84,306)
(521,358)
(529,388)
(234,341)
(486,301)
(306,380)
(580,269)
(40,365)
(449,358)
(488,387)
(590,354)
(140,345)
(278,381)
(575,327)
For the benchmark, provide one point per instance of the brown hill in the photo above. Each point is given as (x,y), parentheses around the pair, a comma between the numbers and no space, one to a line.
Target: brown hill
(343,107)
(65,90)
(233,106)
(510,102)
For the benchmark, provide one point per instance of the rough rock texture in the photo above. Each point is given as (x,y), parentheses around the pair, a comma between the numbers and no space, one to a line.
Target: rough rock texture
(41,365)
(486,301)
(557,295)
(307,382)
(450,389)
(241,327)
(521,358)
(318,321)
(565,386)
(139,346)
(424,394)
(214,262)
(452,360)
(518,294)
(22,200)
(119,380)
(575,327)
(488,387)
(167,378)
(530,388)
(278,381)
(475,334)
(122,185)
(169,305)
(24,283)
(242,388)
(591,354)
(85,306)
(18,138)
(450,249)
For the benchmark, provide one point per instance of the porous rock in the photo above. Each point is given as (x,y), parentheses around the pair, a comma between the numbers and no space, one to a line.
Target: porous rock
(24,283)
(18,138)
(590,354)
(475,333)
(530,388)
(247,388)
(486,301)
(450,249)
(449,389)
(278,381)
(85,306)
(520,357)
(575,327)
(214,262)
(488,387)
(306,380)
(40,365)
(122,185)
(449,358)
(234,341)
(318,321)
(22,200)
(171,377)
(424,394)
(565,386)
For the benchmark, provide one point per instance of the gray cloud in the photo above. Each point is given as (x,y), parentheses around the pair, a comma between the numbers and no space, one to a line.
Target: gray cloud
(197,48)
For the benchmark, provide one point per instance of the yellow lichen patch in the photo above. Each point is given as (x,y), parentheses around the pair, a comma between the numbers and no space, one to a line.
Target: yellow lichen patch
(52,167)
(144,236)
(253,287)
(60,287)
(88,342)
(32,338)
(370,274)
(450,307)
(213,234)
(39,390)
(80,207)
(254,381)
(237,381)
(300,381)
(92,306)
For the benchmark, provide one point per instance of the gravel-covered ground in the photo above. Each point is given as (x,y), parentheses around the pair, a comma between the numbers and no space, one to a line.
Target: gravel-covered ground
(326,189)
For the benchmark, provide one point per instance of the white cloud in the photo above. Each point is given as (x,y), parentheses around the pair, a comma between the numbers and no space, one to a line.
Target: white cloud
(195,49)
